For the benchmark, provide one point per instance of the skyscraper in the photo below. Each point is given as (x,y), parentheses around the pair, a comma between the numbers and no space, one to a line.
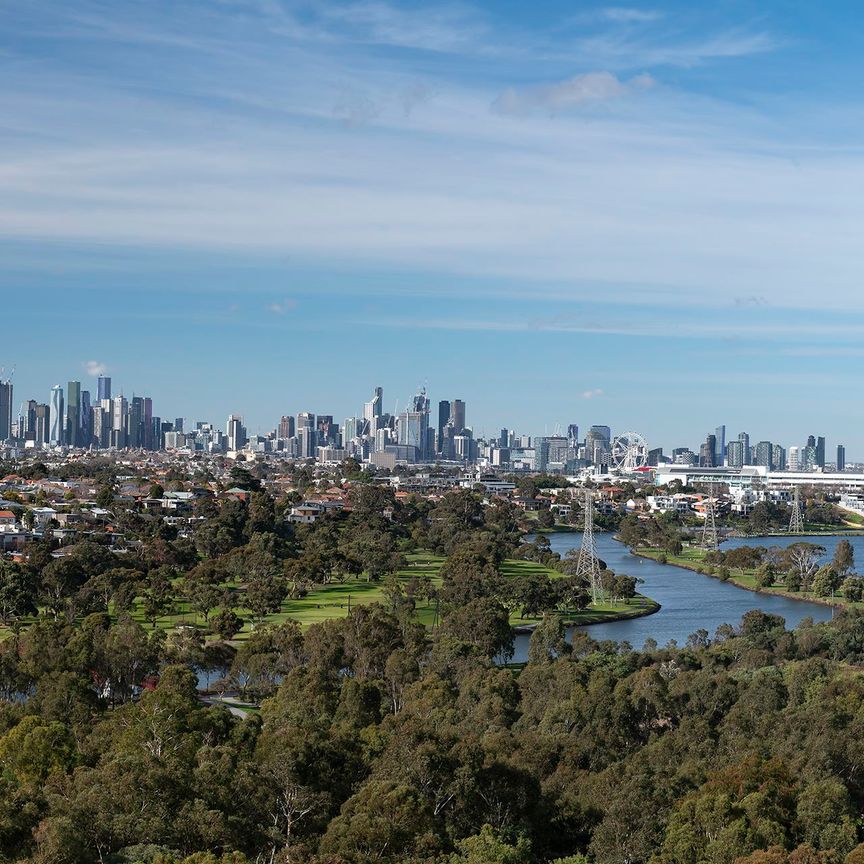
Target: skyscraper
(841,457)
(720,451)
(235,432)
(286,427)
(73,413)
(820,451)
(765,454)
(55,436)
(414,426)
(103,388)
(6,410)
(443,420)
(86,420)
(119,409)
(597,443)
(372,409)
(308,435)
(457,415)
(735,454)
(707,452)
(744,438)
(42,427)
(778,458)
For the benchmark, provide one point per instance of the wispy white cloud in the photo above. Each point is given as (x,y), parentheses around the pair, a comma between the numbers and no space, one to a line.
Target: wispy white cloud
(95,368)
(574,92)
(282,307)
(627,15)
(592,394)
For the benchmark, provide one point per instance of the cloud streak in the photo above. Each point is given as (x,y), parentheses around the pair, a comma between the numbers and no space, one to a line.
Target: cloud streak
(592,87)
(95,368)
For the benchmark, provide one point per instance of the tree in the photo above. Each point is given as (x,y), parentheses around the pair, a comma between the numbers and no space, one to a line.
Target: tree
(853,589)
(201,589)
(844,557)
(803,559)
(156,491)
(488,847)
(484,623)
(549,640)
(826,581)
(105,497)
(226,623)
(157,594)
(17,593)
(264,595)
(766,574)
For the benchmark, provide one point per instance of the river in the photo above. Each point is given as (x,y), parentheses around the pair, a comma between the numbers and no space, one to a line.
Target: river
(689,600)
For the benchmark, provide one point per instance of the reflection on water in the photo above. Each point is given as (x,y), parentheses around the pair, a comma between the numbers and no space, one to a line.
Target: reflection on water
(689,600)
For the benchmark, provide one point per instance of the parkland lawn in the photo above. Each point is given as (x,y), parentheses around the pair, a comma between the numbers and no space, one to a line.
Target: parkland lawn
(335,599)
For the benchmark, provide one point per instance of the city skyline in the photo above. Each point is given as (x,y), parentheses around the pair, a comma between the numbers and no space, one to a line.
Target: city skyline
(649,208)
(433,416)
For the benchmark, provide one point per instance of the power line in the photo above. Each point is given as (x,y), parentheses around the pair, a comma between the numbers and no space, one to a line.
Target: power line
(588,565)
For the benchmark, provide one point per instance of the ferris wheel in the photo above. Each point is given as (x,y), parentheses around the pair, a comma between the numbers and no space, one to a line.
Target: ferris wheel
(629,452)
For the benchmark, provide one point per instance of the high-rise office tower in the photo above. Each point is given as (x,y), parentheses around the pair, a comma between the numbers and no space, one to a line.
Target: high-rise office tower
(720,451)
(744,438)
(55,436)
(178,424)
(794,460)
(29,433)
(119,409)
(286,427)
(820,452)
(135,423)
(372,409)
(235,433)
(457,415)
(597,443)
(414,426)
(707,452)
(86,420)
(443,420)
(735,454)
(765,454)
(148,431)
(349,430)
(841,457)
(103,388)
(6,410)
(307,434)
(573,434)
(778,458)
(43,424)
(73,413)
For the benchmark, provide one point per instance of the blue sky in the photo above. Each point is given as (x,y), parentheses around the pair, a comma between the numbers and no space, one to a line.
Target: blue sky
(646,215)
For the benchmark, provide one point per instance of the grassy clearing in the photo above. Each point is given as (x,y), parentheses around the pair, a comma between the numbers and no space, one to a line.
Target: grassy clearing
(334,600)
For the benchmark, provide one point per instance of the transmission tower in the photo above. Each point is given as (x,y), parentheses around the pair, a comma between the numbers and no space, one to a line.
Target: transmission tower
(709,531)
(796,523)
(588,565)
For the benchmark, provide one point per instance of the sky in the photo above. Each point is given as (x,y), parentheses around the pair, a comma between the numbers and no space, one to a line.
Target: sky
(642,215)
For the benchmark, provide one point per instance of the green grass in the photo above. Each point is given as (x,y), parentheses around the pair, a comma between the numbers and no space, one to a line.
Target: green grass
(325,602)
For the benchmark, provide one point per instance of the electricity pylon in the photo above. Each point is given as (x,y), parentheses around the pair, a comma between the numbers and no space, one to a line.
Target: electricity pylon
(796,523)
(709,530)
(588,565)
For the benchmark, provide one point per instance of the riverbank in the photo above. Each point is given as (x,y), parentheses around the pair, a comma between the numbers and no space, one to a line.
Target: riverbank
(605,613)
(692,558)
